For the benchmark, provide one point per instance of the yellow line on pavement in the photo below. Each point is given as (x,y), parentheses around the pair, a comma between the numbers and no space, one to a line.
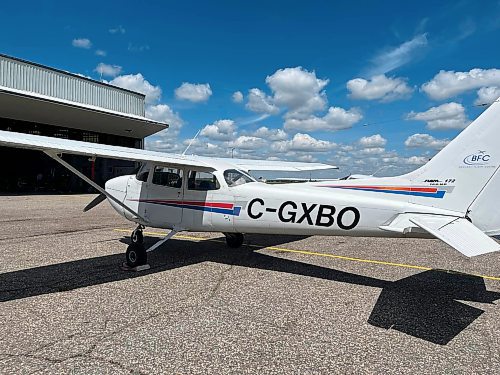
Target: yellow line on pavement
(305,252)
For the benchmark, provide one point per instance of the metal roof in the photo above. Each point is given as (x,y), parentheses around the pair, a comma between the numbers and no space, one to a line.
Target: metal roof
(40,94)
(79,76)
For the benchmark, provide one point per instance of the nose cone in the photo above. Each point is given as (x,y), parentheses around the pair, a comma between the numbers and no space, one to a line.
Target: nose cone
(117,184)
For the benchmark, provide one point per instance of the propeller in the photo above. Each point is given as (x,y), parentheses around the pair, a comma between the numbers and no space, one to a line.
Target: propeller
(100,198)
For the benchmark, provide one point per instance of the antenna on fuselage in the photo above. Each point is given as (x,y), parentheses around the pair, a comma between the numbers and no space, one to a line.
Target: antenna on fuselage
(381,168)
(191,142)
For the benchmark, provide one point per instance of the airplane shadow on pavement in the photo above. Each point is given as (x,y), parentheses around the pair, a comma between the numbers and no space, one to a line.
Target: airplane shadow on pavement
(425,305)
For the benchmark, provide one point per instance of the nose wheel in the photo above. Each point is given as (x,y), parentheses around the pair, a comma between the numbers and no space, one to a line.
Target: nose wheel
(137,237)
(136,255)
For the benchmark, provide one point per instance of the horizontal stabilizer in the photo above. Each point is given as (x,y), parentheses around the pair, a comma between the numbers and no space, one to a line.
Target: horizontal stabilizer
(457,232)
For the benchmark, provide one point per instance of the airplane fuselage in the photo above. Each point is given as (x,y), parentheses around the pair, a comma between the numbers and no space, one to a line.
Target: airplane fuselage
(299,209)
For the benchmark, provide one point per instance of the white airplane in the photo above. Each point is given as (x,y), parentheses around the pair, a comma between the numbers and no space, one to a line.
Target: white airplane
(453,197)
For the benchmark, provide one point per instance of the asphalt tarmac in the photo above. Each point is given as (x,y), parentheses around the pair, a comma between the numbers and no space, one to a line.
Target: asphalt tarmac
(279,305)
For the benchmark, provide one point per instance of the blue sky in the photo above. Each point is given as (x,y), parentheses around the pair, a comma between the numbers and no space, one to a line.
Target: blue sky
(360,84)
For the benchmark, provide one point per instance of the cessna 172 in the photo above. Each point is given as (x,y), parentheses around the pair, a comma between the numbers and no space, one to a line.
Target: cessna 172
(452,197)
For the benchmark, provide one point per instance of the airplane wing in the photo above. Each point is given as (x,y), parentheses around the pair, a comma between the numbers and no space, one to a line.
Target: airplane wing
(276,165)
(66,146)
(58,145)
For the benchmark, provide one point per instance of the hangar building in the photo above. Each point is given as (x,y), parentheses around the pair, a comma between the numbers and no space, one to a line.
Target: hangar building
(37,99)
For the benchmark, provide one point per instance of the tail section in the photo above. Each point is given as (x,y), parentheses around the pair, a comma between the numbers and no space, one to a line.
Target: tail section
(465,171)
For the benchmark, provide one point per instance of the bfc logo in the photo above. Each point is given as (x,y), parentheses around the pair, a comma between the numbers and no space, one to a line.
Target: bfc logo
(477,158)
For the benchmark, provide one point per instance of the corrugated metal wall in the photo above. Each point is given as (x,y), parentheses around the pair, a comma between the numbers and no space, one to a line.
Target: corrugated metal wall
(37,79)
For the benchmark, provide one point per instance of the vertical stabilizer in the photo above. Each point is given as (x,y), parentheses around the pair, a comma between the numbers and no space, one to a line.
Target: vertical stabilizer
(465,167)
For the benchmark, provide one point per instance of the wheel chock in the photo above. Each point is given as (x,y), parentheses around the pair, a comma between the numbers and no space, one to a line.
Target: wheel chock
(142,267)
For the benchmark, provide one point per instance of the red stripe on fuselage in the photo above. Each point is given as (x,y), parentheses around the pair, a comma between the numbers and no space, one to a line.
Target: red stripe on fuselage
(195,203)
(397,188)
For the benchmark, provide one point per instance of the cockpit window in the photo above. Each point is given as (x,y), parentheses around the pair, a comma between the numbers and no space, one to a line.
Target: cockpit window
(235,177)
(202,181)
(143,173)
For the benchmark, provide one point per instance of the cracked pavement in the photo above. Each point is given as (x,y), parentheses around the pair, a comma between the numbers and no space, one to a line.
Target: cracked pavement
(67,307)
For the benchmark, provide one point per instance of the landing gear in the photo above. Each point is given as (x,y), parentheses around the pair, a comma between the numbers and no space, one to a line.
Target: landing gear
(234,240)
(137,237)
(136,255)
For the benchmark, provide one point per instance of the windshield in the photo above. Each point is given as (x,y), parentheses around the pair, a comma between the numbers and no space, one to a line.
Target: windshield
(143,173)
(235,177)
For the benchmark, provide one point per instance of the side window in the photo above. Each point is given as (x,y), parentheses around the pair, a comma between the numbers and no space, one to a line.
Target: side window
(143,173)
(202,181)
(170,177)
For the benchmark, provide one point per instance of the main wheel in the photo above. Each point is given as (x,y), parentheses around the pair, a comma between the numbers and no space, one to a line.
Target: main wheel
(137,237)
(136,255)
(234,240)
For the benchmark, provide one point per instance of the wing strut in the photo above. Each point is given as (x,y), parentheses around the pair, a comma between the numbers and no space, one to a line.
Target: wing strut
(57,157)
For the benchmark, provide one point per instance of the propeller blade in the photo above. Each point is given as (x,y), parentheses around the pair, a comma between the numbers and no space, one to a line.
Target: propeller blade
(100,198)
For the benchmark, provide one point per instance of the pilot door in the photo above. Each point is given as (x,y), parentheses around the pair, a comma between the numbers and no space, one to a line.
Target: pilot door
(200,200)
(164,197)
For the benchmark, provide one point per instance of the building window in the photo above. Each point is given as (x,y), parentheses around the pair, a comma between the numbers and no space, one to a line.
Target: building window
(61,133)
(90,137)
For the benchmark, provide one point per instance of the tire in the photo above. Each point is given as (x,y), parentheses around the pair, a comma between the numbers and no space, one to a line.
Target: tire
(137,237)
(234,240)
(136,255)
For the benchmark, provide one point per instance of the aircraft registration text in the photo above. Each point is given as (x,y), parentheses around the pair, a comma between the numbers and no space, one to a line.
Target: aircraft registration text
(321,215)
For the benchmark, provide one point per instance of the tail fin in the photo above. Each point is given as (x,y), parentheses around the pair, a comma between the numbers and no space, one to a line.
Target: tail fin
(466,169)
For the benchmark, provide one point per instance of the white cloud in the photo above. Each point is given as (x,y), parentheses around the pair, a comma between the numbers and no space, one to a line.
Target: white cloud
(117,30)
(336,119)
(416,160)
(245,142)
(220,130)
(209,149)
(237,97)
(270,134)
(136,82)
(446,116)
(254,119)
(380,87)
(163,142)
(108,70)
(447,84)
(375,140)
(298,90)
(303,143)
(82,43)
(396,57)
(163,113)
(100,52)
(259,102)
(370,151)
(193,92)
(487,95)
(346,148)
(138,48)
(425,141)
(307,158)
